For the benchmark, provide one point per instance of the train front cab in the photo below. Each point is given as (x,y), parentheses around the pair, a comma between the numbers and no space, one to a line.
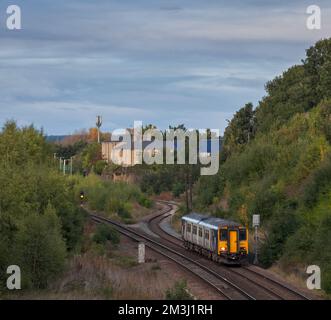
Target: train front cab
(233,244)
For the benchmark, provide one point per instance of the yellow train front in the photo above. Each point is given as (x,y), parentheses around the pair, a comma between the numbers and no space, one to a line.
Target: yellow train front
(218,239)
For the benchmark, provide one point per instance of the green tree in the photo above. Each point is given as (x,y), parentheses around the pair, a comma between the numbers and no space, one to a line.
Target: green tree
(39,217)
(240,130)
(91,155)
(41,248)
(318,70)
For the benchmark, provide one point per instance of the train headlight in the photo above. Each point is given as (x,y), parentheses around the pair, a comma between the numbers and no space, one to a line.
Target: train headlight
(223,249)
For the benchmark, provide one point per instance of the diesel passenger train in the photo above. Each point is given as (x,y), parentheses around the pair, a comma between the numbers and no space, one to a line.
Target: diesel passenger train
(218,239)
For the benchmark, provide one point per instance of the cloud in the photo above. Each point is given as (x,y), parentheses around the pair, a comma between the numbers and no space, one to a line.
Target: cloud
(66,117)
(153,60)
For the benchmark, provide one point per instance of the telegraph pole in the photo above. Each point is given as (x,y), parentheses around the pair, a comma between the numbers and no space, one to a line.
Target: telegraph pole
(70,165)
(64,166)
(98,124)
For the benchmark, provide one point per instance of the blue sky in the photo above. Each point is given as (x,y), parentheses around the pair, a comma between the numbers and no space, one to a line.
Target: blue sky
(162,62)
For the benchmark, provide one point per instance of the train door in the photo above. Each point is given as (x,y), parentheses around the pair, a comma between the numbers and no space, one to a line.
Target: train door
(233,241)
(189,232)
(194,233)
(207,239)
(214,241)
(200,236)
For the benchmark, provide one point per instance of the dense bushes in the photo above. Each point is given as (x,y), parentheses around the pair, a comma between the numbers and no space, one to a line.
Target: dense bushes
(40,248)
(39,220)
(283,172)
(113,198)
(316,185)
(209,188)
(281,225)
(160,178)
(106,233)
(312,238)
(178,292)
(144,201)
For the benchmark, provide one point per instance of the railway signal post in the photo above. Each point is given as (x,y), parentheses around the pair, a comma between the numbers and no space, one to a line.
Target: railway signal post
(82,197)
(256,224)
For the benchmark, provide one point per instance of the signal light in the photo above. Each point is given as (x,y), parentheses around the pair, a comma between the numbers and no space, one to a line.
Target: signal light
(81,195)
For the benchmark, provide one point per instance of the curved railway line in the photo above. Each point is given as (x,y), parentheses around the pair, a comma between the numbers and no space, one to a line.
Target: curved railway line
(225,288)
(229,283)
(253,281)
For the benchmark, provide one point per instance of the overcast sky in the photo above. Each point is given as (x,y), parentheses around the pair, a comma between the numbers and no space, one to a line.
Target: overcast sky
(160,61)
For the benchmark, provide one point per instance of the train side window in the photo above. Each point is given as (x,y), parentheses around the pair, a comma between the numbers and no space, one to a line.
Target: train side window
(188,227)
(224,234)
(207,234)
(242,234)
(200,232)
(194,229)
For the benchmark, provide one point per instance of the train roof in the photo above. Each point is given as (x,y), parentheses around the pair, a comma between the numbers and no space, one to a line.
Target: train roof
(209,221)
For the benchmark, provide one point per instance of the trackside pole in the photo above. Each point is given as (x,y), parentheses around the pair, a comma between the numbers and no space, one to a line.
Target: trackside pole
(256,260)
(256,224)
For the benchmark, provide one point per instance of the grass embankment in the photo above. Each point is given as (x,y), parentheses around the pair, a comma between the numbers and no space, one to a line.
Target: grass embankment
(107,268)
(117,200)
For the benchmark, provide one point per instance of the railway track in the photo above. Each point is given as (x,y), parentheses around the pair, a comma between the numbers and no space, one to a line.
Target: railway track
(277,283)
(247,276)
(224,287)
